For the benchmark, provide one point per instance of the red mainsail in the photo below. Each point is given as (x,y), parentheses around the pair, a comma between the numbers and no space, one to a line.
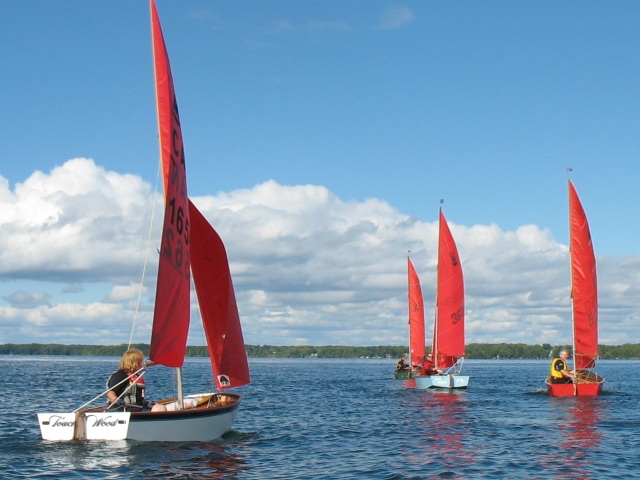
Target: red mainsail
(172,306)
(416,318)
(217,301)
(448,338)
(584,285)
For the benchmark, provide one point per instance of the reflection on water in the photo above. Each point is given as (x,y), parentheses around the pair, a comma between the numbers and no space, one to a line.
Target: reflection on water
(578,437)
(439,431)
(410,383)
(85,455)
(169,459)
(582,437)
(205,460)
(450,413)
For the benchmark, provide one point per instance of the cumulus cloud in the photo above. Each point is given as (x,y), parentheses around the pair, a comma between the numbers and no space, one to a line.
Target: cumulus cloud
(308,267)
(78,222)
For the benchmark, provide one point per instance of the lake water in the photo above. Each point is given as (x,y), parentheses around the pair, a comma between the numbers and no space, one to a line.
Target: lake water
(334,419)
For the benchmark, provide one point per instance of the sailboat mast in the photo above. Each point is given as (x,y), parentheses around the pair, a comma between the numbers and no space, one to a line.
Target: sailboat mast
(180,389)
(434,349)
(573,320)
(409,306)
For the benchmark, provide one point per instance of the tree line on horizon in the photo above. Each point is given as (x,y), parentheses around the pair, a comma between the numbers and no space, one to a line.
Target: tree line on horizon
(473,351)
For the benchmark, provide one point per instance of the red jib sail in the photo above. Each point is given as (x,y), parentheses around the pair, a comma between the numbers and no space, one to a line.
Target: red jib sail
(171,314)
(218,307)
(448,338)
(416,318)
(584,285)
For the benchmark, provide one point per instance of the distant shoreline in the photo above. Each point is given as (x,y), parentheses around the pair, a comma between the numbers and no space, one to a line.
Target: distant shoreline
(473,351)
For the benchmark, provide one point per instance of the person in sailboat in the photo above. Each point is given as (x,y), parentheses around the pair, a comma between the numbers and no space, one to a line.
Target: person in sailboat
(126,385)
(402,363)
(559,371)
(429,368)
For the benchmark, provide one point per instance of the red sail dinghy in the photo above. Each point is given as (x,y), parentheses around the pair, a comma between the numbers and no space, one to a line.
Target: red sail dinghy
(416,325)
(189,245)
(584,295)
(443,367)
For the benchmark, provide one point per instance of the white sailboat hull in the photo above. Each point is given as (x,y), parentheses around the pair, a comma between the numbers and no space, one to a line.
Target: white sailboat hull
(442,381)
(203,423)
(183,426)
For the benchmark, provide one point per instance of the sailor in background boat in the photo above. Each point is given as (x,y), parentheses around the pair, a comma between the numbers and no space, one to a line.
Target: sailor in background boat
(127,384)
(559,371)
(402,364)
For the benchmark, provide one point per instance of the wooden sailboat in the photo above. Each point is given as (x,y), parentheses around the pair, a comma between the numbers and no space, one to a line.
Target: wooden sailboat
(189,245)
(416,326)
(443,366)
(584,295)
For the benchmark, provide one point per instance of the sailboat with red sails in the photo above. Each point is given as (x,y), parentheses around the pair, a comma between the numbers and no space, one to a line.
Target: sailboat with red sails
(584,307)
(189,246)
(416,326)
(442,368)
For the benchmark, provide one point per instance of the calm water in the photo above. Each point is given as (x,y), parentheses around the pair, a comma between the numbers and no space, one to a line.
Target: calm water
(314,419)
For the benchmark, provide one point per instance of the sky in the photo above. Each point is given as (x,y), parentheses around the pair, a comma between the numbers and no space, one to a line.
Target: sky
(321,138)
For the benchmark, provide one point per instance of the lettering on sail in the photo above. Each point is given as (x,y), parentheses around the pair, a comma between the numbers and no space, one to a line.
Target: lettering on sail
(176,234)
(591,308)
(451,301)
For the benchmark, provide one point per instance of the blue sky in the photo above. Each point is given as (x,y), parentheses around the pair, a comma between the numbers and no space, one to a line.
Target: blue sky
(384,108)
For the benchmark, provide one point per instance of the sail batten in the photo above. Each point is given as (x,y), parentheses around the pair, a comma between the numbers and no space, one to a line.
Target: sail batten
(448,345)
(417,347)
(584,285)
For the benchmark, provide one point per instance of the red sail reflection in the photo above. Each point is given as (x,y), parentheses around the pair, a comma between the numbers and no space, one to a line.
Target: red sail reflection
(582,436)
(573,454)
(444,428)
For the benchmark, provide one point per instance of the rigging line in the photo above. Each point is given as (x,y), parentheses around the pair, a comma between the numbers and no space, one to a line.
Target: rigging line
(146,256)
(139,372)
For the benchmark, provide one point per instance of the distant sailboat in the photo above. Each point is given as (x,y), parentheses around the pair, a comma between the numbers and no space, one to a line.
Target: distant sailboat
(189,245)
(584,295)
(443,366)
(416,325)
